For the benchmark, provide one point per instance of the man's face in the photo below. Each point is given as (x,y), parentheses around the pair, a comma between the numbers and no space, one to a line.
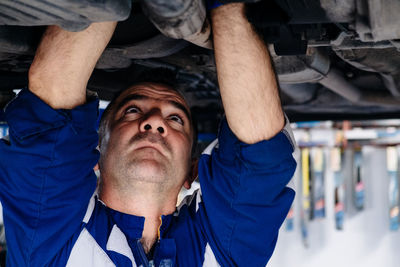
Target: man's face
(150,138)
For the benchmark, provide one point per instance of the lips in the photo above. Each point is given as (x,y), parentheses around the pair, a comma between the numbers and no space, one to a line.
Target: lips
(147,145)
(150,140)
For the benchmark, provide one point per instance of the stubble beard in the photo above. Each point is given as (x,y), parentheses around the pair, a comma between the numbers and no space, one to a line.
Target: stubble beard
(143,169)
(136,171)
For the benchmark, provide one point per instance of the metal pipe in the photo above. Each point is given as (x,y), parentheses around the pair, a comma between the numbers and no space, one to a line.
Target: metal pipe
(180,19)
(335,82)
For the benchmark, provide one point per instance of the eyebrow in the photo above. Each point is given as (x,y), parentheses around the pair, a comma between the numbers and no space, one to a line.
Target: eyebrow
(130,98)
(140,97)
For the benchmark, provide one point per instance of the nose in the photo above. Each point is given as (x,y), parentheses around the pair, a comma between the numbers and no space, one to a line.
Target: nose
(154,123)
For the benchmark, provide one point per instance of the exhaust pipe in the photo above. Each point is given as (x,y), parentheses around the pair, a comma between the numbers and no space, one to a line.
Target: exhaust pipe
(335,82)
(180,19)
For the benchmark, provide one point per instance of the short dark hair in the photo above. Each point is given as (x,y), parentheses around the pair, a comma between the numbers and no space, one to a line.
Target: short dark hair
(158,75)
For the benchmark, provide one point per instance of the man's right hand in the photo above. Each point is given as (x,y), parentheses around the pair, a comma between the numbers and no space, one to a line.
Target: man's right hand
(64,62)
(247,82)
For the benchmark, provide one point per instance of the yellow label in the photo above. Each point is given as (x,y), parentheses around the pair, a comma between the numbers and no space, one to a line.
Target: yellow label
(305,165)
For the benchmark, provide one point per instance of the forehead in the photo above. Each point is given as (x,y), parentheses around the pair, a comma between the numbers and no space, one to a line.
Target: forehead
(154,91)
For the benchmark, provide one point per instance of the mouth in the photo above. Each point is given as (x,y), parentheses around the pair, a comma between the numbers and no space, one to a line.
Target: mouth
(152,142)
(146,145)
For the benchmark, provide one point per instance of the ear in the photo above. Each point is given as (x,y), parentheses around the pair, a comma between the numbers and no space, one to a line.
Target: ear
(96,167)
(193,173)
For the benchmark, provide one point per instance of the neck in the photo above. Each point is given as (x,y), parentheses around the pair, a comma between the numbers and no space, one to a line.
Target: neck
(143,199)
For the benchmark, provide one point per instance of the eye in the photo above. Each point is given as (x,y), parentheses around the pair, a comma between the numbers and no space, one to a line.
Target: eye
(132,109)
(177,119)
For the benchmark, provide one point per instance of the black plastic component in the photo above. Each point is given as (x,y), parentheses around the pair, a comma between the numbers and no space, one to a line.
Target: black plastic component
(266,14)
(289,43)
(303,11)
(72,15)
(287,23)
(269,13)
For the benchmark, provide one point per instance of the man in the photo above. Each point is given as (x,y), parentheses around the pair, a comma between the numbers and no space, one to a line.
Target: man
(52,213)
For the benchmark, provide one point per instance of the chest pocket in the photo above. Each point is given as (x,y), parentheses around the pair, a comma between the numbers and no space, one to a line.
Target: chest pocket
(166,263)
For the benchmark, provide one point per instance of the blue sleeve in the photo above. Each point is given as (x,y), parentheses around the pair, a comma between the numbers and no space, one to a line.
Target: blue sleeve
(245,198)
(46,176)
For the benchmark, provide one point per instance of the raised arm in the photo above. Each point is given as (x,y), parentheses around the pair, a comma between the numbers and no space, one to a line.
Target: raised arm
(247,81)
(244,198)
(46,163)
(64,62)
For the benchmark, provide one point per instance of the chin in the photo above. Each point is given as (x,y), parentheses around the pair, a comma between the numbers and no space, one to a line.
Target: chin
(148,170)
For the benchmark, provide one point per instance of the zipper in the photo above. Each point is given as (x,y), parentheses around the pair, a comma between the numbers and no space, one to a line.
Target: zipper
(143,256)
